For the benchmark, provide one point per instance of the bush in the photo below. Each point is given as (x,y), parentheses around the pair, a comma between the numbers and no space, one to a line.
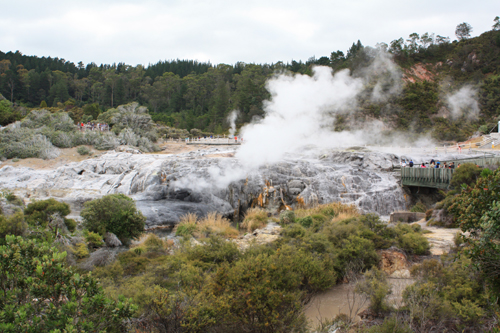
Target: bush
(80,250)
(294,230)
(486,172)
(391,324)
(38,213)
(287,217)
(13,199)
(428,214)
(38,283)
(93,239)
(185,229)
(115,213)
(418,208)
(12,225)
(82,150)
(414,243)
(306,222)
(153,243)
(70,224)
(255,218)
(467,174)
(376,287)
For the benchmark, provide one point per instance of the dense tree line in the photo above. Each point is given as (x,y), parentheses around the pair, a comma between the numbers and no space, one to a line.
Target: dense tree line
(190,94)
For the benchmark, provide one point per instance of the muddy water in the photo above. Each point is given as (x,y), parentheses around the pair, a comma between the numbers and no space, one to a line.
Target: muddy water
(341,299)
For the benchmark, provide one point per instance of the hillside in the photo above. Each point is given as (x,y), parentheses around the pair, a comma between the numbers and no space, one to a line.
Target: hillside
(187,94)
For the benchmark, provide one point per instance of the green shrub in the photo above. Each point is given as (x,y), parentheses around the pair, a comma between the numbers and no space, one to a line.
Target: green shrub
(414,243)
(416,227)
(419,207)
(306,222)
(467,174)
(153,243)
(376,287)
(287,217)
(80,250)
(214,250)
(82,150)
(115,213)
(13,199)
(70,224)
(294,230)
(391,324)
(132,262)
(38,280)
(428,214)
(486,172)
(12,225)
(356,249)
(93,239)
(38,213)
(449,290)
(185,229)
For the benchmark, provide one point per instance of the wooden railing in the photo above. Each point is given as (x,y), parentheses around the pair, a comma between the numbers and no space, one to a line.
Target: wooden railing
(426,177)
(440,178)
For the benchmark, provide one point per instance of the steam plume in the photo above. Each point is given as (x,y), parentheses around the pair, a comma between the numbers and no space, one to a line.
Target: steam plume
(231,119)
(464,102)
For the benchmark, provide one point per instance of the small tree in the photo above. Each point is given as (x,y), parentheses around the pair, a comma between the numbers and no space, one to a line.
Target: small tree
(39,294)
(477,210)
(463,31)
(496,26)
(115,213)
(376,287)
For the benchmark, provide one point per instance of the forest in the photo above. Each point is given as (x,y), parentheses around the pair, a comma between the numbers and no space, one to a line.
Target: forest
(188,94)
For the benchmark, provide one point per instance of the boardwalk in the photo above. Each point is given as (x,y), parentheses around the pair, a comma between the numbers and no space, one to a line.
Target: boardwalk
(426,177)
(440,178)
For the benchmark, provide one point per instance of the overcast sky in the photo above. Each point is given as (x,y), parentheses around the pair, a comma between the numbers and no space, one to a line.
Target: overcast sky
(223,31)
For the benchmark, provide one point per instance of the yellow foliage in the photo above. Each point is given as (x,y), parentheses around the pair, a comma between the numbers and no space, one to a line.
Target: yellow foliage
(330,209)
(214,223)
(255,218)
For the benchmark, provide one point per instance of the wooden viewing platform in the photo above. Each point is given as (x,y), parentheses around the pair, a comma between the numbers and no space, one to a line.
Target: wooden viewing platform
(440,178)
(426,177)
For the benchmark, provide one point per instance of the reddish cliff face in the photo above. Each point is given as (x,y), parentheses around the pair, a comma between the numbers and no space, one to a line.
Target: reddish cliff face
(421,72)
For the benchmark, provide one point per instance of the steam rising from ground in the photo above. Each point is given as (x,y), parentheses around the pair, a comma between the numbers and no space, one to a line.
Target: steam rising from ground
(302,112)
(297,113)
(464,102)
(231,120)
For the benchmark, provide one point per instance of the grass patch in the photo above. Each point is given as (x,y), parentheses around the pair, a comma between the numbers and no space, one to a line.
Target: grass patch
(255,218)
(212,224)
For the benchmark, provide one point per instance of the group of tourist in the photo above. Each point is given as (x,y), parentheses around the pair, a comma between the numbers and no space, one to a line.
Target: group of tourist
(91,126)
(432,164)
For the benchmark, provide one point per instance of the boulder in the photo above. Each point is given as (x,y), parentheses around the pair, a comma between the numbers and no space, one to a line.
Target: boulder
(394,262)
(111,240)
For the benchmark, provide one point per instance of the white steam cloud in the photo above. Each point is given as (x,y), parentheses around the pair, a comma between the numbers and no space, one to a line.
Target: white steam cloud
(302,112)
(464,102)
(297,114)
(231,120)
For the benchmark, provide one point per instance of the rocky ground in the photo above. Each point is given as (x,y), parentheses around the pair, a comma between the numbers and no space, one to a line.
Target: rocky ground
(201,179)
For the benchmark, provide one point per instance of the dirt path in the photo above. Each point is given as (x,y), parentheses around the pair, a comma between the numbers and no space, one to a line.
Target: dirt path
(440,239)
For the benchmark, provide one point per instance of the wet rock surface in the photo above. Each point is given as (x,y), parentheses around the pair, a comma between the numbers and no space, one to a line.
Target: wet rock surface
(167,186)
